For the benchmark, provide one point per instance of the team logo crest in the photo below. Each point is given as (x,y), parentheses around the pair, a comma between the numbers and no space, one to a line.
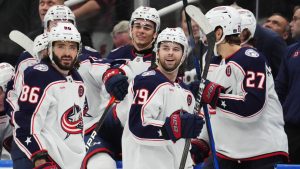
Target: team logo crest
(228,70)
(41,67)
(71,121)
(80,91)
(189,99)
(251,53)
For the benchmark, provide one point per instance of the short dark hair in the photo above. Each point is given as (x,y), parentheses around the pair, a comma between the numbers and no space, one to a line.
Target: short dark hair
(233,39)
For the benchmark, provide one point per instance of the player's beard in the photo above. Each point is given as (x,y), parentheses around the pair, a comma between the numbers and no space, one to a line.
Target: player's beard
(169,68)
(60,64)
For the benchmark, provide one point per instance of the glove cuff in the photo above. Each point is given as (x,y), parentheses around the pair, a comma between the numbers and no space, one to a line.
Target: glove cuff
(111,72)
(40,155)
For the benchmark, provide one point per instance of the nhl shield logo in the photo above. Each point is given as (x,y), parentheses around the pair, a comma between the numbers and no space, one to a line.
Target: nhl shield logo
(80,90)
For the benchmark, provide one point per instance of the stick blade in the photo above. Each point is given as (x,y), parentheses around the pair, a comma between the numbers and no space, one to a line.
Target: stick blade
(197,15)
(22,40)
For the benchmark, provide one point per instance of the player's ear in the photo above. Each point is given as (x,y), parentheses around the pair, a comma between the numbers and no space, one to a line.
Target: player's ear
(155,35)
(218,33)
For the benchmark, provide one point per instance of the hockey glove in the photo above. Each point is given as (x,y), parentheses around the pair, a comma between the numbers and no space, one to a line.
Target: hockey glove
(211,93)
(199,150)
(116,83)
(49,163)
(194,87)
(183,125)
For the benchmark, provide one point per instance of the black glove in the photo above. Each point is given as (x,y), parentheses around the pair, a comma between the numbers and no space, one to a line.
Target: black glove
(199,150)
(116,83)
(194,87)
(43,155)
(211,93)
(182,125)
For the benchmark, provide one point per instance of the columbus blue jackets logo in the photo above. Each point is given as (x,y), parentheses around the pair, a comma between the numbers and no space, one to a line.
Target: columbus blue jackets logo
(71,121)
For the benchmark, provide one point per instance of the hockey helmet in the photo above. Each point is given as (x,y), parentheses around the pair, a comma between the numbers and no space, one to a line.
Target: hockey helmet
(173,35)
(58,12)
(7,71)
(63,32)
(146,13)
(247,21)
(40,43)
(227,18)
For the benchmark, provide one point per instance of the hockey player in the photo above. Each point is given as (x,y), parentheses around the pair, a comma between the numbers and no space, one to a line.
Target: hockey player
(144,25)
(48,124)
(55,14)
(6,74)
(160,111)
(26,60)
(248,121)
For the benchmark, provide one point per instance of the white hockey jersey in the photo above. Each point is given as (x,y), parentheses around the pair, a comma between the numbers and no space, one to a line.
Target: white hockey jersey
(248,121)
(50,115)
(91,71)
(152,98)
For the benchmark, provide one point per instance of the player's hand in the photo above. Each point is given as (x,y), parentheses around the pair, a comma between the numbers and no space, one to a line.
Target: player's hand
(42,160)
(199,151)
(116,83)
(182,125)
(211,93)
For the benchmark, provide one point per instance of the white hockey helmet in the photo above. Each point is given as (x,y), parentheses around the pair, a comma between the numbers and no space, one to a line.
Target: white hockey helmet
(173,35)
(58,12)
(40,43)
(63,32)
(227,18)
(146,13)
(7,71)
(247,21)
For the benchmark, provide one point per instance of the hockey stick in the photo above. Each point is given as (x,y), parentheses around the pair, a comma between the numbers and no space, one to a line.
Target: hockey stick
(71,3)
(22,40)
(172,7)
(205,26)
(101,120)
(196,14)
(197,67)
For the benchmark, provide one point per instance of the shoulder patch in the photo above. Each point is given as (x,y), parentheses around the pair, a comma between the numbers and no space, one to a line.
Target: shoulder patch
(41,67)
(251,53)
(149,73)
